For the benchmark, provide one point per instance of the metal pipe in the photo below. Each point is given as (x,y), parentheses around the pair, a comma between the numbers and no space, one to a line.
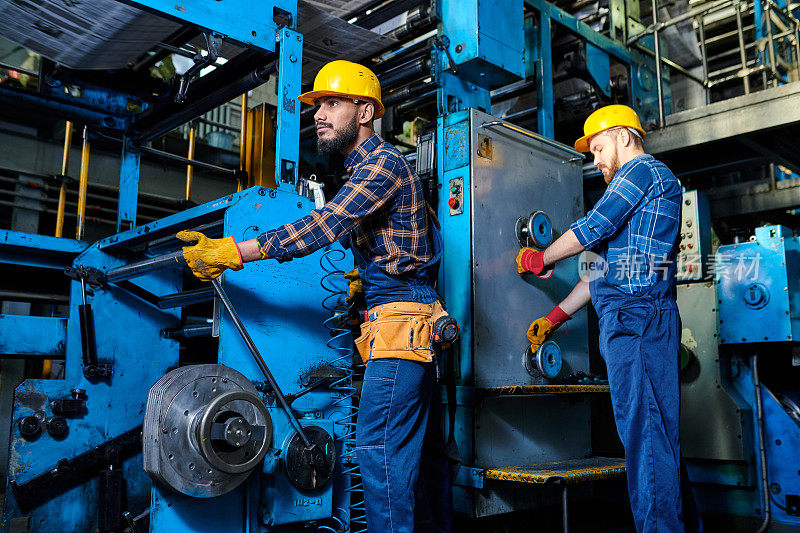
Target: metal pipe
(62,194)
(187,332)
(242,142)
(189,167)
(762,448)
(564,508)
(659,75)
(32,296)
(742,54)
(419,68)
(704,57)
(140,268)
(53,212)
(84,183)
(797,45)
(671,64)
(692,13)
(771,170)
(771,45)
(260,362)
(181,159)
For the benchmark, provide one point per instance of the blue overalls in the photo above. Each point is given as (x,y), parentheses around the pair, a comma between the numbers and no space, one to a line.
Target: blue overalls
(640,339)
(399,441)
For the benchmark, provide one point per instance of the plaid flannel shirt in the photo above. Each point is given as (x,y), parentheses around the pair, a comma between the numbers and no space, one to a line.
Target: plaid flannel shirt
(635,224)
(382,206)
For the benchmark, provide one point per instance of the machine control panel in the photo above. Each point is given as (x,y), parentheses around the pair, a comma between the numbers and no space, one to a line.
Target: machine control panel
(695,237)
(456,196)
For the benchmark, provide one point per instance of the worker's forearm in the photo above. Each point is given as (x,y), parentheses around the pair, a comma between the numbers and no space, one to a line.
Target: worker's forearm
(249,250)
(565,246)
(577,298)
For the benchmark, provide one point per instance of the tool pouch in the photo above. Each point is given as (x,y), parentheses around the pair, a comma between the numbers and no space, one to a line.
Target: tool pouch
(364,340)
(400,330)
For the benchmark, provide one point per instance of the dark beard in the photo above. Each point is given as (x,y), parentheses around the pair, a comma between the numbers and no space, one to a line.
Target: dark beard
(342,139)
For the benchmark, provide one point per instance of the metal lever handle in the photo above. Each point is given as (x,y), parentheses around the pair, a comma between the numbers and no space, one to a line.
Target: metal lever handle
(260,361)
(545,140)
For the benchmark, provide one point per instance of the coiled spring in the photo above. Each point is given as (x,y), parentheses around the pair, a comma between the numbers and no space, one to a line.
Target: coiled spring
(351,519)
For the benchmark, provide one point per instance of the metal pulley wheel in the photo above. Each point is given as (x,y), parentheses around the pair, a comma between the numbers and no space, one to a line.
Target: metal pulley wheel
(546,362)
(205,429)
(310,468)
(535,230)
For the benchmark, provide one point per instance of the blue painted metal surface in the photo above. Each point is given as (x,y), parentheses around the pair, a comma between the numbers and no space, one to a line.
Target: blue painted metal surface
(599,65)
(170,225)
(32,335)
(287,151)
(248,22)
(544,80)
(128,187)
(38,250)
(128,336)
(758,284)
(64,106)
(486,40)
(282,308)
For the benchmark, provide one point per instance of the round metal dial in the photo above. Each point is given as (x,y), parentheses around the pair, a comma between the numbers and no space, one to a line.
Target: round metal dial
(203,400)
(546,362)
(310,469)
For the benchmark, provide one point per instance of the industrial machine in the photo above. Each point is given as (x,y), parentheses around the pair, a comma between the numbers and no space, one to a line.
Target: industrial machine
(231,406)
(738,380)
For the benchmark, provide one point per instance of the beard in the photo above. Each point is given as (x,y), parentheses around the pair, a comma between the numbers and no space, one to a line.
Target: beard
(341,139)
(613,167)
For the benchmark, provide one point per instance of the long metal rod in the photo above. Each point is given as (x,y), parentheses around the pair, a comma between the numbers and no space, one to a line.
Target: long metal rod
(714,6)
(564,508)
(260,361)
(671,64)
(797,45)
(140,268)
(84,184)
(189,167)
(762,448)
(704,55)
(742,53)
(771,45)
(659,74)
(181,159)
(62,193)
(242,142)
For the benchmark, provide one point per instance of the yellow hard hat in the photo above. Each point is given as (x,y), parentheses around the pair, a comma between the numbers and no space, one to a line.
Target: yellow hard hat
(346,79)
(605,118)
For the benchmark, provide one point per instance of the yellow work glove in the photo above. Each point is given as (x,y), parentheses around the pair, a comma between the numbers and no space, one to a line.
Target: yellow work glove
(355,285)
(538,332)
(543,327)
(210,257)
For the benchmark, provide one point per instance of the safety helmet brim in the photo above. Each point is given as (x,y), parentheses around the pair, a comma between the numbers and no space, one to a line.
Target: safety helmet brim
(311,96)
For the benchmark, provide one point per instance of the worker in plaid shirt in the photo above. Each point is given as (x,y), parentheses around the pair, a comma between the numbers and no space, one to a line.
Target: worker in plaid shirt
(382,215)
(634,227)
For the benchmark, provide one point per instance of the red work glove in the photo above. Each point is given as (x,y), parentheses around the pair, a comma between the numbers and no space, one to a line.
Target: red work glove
(530,260)
(543,327)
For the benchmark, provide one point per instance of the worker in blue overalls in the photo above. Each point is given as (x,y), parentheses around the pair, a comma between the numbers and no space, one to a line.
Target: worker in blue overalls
(382,214)
(634,227)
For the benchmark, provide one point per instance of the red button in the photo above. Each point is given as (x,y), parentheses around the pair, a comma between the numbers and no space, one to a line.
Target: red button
(453,203)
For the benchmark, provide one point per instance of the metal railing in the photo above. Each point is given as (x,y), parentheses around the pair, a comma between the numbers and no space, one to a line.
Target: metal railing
(766,63)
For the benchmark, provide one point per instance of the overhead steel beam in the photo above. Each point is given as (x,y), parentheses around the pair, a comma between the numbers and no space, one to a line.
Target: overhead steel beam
(754,198)
(239,75)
